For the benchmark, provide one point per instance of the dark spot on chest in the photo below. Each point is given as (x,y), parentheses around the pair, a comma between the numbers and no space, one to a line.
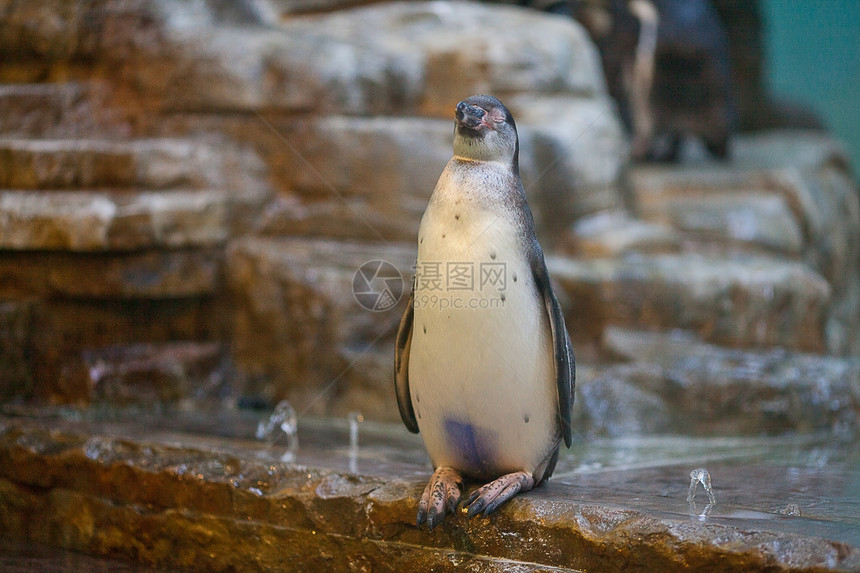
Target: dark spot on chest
(526,418)
(424,328)
(493,255)
(515,277)
(457,216)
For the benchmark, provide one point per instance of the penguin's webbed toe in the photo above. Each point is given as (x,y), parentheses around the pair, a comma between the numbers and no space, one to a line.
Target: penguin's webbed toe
(488,498)
(440,497)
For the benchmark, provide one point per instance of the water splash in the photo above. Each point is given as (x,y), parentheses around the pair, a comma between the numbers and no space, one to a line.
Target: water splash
(701,476)
(282,424)
(355,418)
(791,510)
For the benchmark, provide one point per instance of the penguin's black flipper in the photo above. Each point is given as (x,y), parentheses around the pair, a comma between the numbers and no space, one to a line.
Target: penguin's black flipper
(402,345)
(565,365)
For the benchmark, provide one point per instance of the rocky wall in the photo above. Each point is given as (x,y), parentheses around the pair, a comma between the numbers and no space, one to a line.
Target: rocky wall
(216,173)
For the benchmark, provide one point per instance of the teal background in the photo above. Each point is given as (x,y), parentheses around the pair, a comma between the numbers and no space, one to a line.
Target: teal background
(813,56)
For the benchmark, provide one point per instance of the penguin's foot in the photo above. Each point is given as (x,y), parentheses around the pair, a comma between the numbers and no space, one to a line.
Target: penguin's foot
(487,499)
(440,497)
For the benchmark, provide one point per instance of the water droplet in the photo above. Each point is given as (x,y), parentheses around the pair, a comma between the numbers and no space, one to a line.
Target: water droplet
(701,476)
(281,424)
(355,418)
(791,510)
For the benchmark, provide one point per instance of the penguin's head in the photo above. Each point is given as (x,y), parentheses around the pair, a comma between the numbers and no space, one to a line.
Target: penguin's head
(484,130)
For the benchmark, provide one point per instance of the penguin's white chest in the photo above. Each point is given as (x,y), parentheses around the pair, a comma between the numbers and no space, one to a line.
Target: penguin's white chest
(481,370)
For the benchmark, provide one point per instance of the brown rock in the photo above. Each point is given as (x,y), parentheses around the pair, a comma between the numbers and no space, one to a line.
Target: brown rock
(746,218)
(628,401)
(676,384)
(62,329)
(731,301)
(343,218)
(149,274)
(398,56)
(63,164)
(300,329)
(573,154)
(358,177)
(286,8)
(401,58)
(171,506)
(16,376)
(805,171)
(49,30)
(616,233)
(148,375)
(798,188)
(373,176)
(98,221)
(62,110)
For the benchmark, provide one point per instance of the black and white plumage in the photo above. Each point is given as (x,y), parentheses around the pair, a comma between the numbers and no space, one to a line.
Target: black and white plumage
(484,369)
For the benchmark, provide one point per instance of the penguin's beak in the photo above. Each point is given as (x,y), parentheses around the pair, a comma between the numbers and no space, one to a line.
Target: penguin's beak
(470,116)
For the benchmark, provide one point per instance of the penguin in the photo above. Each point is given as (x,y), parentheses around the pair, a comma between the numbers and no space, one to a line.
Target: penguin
(484,368)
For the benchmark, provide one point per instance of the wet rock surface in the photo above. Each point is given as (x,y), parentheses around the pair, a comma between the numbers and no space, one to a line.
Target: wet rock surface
(18,557)
(128,490)
(793,185)
(676,383)
(312,282)
(735,301)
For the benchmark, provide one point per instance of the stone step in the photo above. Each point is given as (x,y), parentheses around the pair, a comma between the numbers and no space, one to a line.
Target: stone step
(300,329)
(735,301)
(103,163)
(61,329)
(747,219)
(383,169)
(175,493)
(58,110)
(141,374)
(148,375)
(616,233)
(403,58)
(673,383)
(151,274)
(16,380)
(114,221)
(787,193)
